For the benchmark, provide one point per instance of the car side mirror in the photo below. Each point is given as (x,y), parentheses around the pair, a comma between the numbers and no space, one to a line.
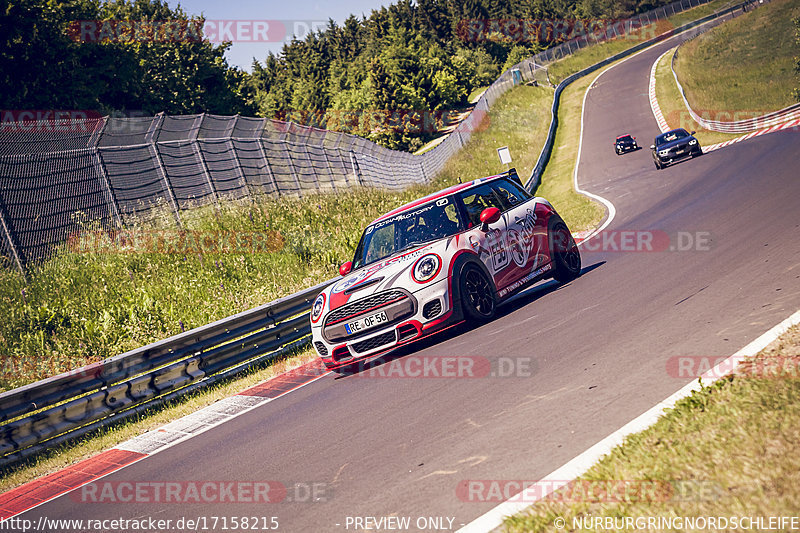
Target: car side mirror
(346,268)
(652,146)
(490,215)
(693,133)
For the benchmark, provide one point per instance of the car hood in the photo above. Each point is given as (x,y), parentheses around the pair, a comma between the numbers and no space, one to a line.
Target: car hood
(393,271)
(673,144)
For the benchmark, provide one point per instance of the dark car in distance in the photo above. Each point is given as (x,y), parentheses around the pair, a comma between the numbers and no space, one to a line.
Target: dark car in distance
(625,143)
(673,146)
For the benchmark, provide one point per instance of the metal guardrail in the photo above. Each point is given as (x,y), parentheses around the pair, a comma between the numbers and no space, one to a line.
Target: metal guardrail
(544,157)
(738,126)
(71,404)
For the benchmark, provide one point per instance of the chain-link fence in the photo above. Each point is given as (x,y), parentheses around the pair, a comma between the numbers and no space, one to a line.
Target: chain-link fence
(111,169)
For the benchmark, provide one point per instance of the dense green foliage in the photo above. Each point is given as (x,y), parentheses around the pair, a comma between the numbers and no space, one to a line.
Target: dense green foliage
(393,77)
(422,56)
(43,67)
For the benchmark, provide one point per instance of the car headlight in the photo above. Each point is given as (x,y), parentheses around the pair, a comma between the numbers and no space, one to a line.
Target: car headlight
(663,152)
(426,268)
(692,142)
(316,309)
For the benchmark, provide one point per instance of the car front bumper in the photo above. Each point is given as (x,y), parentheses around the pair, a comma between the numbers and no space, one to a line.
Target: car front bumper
(425,311)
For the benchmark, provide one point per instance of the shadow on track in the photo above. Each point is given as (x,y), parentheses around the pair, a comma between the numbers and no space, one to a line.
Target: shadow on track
(516,302)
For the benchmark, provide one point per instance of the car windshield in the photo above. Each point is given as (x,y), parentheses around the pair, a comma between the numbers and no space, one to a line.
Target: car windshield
(670,136)
(624,138)
(408,229)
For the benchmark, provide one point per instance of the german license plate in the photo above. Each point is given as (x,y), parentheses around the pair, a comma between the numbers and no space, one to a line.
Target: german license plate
(367,322)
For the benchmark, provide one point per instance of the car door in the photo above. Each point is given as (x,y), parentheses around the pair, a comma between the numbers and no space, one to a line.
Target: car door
(526,236)
(491,245)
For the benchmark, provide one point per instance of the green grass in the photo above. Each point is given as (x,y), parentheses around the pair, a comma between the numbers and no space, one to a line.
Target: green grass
(518,120)
(745,65)
(103,304)
(557,179)
(673,108)
(476,94)
(524,113)
(734,449)
(699,12)
(595,53)
(79,308)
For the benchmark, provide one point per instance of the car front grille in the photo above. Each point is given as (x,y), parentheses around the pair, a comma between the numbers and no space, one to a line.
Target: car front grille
(321,349)
(431,309)
(365,304)
(374,342)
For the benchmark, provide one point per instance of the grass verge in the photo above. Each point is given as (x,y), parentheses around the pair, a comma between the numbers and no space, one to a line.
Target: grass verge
(729,450)
(761,48)
(78,308)
(598,52)
(674,110)
(519,120)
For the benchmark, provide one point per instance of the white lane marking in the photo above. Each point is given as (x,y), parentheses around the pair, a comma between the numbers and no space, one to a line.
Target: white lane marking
(494,517)
(651,90)
(186,427)
(583,462)
(203,420)
(612,211)
(609,206)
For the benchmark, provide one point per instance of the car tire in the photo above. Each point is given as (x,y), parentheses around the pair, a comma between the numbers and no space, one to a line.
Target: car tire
(564,252)
(478,299)
(659,166)
(698,153)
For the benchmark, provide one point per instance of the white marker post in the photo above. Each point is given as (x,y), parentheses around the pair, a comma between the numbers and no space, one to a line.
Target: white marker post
(505,156)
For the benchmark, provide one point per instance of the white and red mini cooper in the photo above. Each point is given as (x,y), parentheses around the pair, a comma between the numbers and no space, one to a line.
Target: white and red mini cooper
(448,257)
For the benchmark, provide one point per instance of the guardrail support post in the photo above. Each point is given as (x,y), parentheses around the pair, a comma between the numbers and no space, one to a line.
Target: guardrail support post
(356,170)
(100,167)
(9,238)
(150,138)
(236,162)
(203,166)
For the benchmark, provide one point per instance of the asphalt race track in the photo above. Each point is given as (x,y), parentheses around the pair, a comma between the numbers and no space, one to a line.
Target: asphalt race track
(585,358)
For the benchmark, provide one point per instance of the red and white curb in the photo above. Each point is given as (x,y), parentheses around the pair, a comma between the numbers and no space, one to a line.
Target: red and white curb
(47,488)
(651,92)
(785,126)
(662,123)
(579,465)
